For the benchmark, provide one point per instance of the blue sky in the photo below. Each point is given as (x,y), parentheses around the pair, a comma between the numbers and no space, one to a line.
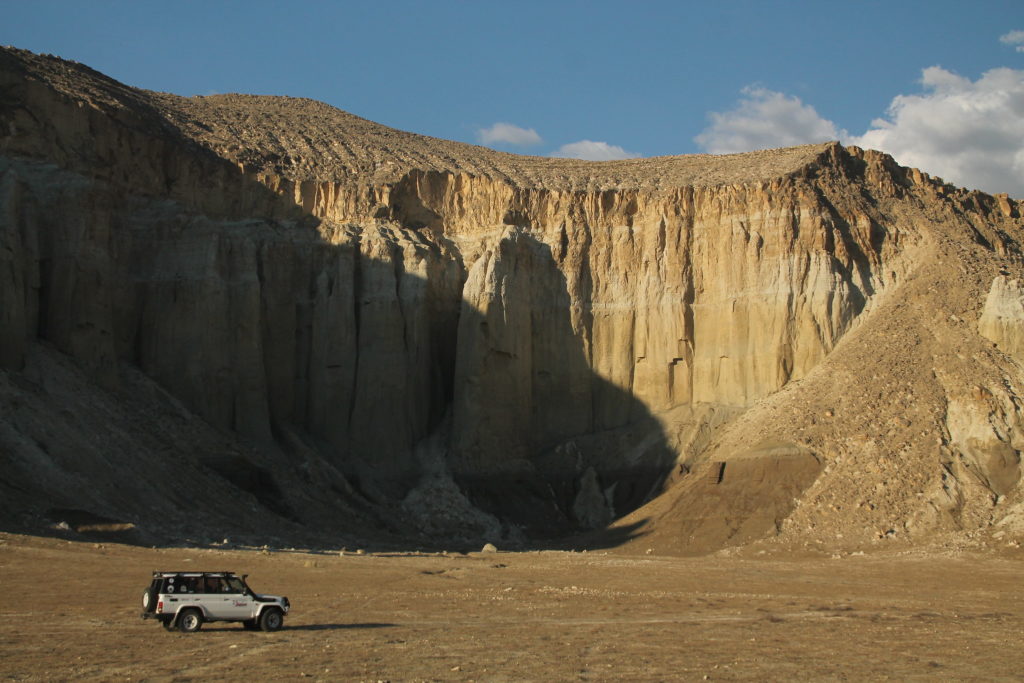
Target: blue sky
(595,79)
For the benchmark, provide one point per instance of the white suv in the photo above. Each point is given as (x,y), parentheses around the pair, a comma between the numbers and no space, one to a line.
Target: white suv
(184,600)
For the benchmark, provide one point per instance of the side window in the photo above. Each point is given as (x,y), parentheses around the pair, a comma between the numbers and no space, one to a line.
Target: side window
(214,584)
(235,585)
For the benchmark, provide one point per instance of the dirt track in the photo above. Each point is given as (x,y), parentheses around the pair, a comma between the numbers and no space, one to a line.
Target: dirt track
(71,613)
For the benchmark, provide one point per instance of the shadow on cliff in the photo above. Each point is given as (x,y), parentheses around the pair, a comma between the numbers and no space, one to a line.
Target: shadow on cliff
(527,444)
(342,368)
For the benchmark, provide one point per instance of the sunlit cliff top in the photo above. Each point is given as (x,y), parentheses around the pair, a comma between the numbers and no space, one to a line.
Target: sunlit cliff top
(304,139)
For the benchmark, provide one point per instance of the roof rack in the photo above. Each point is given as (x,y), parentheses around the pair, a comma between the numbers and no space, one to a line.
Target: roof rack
(192,572)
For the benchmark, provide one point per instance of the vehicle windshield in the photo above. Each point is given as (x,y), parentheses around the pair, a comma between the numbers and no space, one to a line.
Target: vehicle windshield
(237,585)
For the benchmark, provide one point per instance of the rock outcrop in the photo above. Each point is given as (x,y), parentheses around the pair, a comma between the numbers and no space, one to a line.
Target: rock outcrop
(436,326)
(1002,318)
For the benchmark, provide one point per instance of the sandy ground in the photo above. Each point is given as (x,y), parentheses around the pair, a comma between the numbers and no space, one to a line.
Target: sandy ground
(71,612)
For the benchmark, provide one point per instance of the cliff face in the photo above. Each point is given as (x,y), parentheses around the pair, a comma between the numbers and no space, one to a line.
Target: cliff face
(561,339)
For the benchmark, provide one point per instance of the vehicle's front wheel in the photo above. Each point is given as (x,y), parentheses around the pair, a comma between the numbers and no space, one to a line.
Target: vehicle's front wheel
(190,621)
(271,619)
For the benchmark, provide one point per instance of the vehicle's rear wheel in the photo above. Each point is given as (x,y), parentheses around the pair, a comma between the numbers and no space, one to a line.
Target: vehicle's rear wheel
(190,621)
(250,625)
(271,619)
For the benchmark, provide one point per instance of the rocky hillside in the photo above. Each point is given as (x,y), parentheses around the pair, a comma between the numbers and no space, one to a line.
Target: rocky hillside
(262,316)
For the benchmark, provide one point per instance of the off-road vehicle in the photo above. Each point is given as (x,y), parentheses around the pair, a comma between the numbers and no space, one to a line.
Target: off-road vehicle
(185,600)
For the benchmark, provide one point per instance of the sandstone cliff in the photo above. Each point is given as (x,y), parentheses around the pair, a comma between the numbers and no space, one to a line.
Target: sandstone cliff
(378,325)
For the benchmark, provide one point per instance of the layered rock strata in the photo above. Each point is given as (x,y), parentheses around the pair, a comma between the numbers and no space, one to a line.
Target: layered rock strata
(560,337)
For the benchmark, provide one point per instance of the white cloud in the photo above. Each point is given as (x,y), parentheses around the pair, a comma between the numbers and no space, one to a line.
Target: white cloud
(593,151)
(970,133)
(1014,38)
(764,119)
(509,134)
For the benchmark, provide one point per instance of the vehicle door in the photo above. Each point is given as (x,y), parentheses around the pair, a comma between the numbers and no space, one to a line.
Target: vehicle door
(236,602)
(210,594)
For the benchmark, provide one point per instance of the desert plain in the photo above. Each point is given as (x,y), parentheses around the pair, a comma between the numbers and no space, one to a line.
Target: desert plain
(71,612)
